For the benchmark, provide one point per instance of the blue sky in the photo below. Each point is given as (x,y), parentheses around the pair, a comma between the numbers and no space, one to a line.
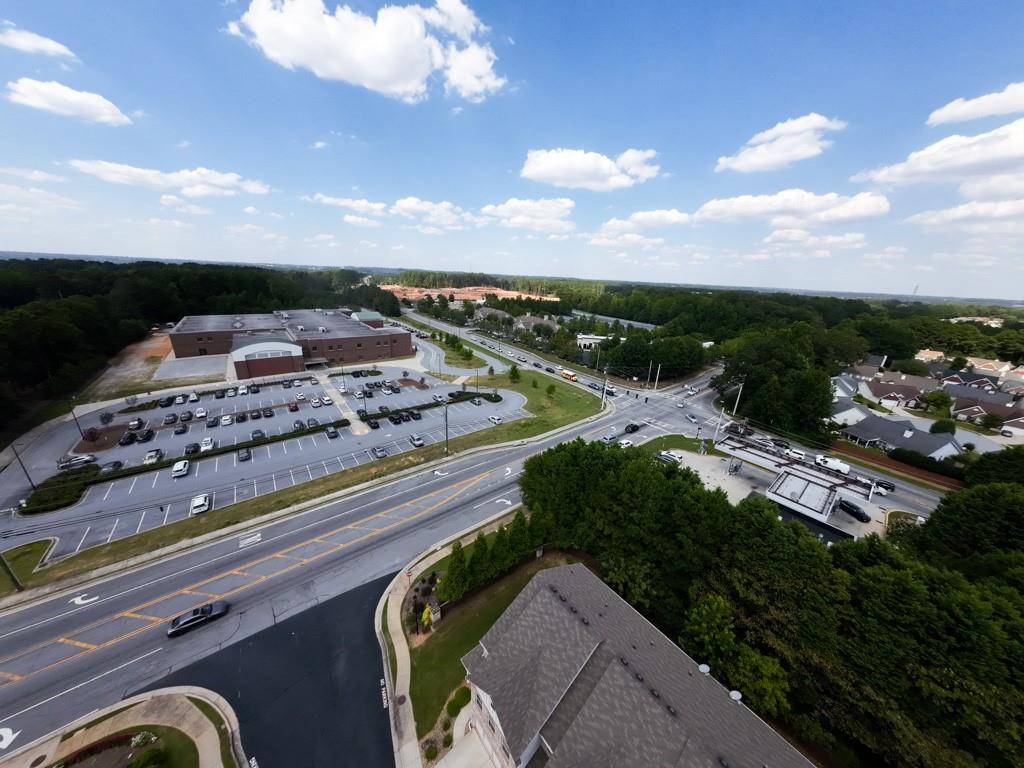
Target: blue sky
(868,146)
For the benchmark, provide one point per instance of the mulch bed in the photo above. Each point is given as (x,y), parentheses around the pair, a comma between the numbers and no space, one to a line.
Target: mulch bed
(107,439)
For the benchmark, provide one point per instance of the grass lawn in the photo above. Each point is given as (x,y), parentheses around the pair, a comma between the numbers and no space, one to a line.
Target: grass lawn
(569,404)
(22,560)
(227,755)
(392,661)
(677,442)
(870,404)
(436,669)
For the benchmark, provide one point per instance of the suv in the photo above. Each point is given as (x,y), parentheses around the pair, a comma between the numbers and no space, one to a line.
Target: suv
(631,428)
(153,456)
(191,448)
(76,461)
(199,504)
(416,440)
(853,510)
(379,453)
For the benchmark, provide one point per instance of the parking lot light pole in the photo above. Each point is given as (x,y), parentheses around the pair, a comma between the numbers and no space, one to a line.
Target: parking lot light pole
(24,469)
(75,417)
(446,430)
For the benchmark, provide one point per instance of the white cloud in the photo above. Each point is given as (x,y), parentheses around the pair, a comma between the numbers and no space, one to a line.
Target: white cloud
(783,144)
(168,223)
(803,238)
(173,201)
(359,221)
(433,217)
(646,220)
(183,144)
(57,98)
(251,210)
(196,182)
(886,259)
(999,209)
(957,158)
(994,186)
(541,215)
(29,42)
(579,169)
(359,206)
(792,208)
(395,53)
(239,230)
(17,199)
(318,145)
(626,240)
(1005,102)
(30,174)
(322,238)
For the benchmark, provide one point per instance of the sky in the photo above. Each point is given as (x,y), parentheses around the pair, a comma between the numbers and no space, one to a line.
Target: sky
(869,146)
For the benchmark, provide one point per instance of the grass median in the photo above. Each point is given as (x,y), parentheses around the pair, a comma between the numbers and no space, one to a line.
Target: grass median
(566,405)
(678,442)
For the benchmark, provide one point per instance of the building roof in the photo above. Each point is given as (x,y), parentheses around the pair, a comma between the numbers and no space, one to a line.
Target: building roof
(863,370)
(929,355)
(974,407)
(572,660)
(923,383)
(365,315)
(899,433)
(902,391)
(983,364)
(961,391)
(296,323)
(529,321)
(876,360)
(970,377)
(845,404)
(491,312)
(845,385)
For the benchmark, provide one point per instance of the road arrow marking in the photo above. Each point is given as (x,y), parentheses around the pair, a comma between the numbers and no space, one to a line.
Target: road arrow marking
(83,599)
(439,473)
(504,501)
(7,737)
(508,471)
(249,539)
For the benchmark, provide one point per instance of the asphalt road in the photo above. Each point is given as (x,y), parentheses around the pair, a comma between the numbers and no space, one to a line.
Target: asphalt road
(120,508)
(307,691)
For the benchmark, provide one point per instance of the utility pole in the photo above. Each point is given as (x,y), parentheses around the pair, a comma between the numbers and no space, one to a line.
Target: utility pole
(446,430)
(721,415)
(657,376)
(736,405)
(650,366)
(23,469)
(597,365)
(75,417)
(604,389)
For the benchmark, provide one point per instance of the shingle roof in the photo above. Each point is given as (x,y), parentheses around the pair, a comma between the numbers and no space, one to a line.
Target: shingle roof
(877,360)
(958,391)
(904,391)
(923,383)
(971,377)
(571,659)
(893,432)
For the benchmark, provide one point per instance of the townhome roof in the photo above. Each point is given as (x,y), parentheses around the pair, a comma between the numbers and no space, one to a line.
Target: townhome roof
(904,392)
(899,433)
(923,383)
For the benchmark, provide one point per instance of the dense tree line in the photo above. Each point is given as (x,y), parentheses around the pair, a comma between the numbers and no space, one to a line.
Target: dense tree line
(369,297)
(426,279)
(882,655)
(61,319)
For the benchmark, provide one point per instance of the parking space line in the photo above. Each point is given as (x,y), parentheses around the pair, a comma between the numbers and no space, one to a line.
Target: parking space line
(310,472)
(87,529)
(116,521)
(154,480)
(109,489)
(167,511)
(141,519)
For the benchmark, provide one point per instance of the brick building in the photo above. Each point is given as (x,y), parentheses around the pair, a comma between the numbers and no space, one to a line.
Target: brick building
(288,341)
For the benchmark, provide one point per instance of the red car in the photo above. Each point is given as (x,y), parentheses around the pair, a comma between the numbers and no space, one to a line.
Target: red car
(293,407)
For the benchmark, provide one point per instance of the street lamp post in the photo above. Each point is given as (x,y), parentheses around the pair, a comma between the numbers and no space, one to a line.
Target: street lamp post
(446,429)
(75,417)
(23,468)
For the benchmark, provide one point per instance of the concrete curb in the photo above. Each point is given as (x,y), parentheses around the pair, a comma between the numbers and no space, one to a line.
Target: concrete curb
(405,742)
(31,595)
(212,698)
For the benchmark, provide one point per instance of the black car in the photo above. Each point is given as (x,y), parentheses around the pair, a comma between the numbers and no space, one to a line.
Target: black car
(374,424)
(356,374)
(416,415)
(885,485)
(196,617)
(255,413)
(385,409)
(185,416)
(219,394)
(853,510)
(181,429)
(244,454)
(404,416)
(211,422)
(254,389)
(111,466)
(268,413)
(298,424)
(549,369)
(191,449)
(630,428)
(367,393)
(145,436)
(170,418)
(536,365)
(127,438)
(361,413)
(394,419)
(257,434)
(164,402)
(312,423)
(781,444)
(241,418)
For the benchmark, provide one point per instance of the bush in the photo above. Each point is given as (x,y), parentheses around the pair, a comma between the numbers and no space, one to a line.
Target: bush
(62,489)
(944,426)
(151,758)
(447,740)
(919,460)
(431,751)
(446,725)
(458,701)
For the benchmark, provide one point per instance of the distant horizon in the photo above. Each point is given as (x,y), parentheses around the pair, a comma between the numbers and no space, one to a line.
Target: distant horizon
(923,298)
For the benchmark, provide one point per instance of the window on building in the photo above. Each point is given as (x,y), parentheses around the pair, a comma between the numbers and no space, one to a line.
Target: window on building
(315,347)
(209,338)
(199,338)
(359,345)
(330,346)
(490,723)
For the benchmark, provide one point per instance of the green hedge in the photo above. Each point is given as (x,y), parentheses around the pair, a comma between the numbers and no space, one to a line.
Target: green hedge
(919,460)
(371,372)
(460,397)
(458,701)
(150,404)
(68,486)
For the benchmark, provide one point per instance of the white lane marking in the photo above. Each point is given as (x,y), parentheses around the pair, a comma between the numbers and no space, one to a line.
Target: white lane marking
(216,463)
(116,521)
(249,539)
(167,511)
(109,489)
(310,472)
(274,479)
(7,737)
(157,475)
(81,685)
(141,519)
(87,529)
(83,599)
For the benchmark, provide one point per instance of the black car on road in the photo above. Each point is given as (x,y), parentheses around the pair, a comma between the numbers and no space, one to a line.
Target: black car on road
(197,617)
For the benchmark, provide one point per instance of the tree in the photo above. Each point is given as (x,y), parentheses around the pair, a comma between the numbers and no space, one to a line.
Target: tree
(982,519)
(1005,466)
(550,390)
(501,553)
(992,421)
(910,367)
(533,383)
(513,373)
(958,363)
(479,567)
(490,370)
(761,680)
(937,400)
(708,634)
(943,426)
(456,579)
(425,617)
(519,536)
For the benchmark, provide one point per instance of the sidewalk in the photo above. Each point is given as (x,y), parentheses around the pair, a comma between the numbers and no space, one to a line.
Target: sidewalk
(169,707)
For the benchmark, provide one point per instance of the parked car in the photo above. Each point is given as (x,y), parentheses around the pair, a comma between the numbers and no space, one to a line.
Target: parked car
(385,409)
(212,422)
(200,504)
(179,400)
(298,424)
(232,392)
(255,413)
(495,419)
(191,448)
(207,444)
(243,390)
(853,510)
(254,389)
(193,397)
(111,466)
(127,438)
(416,415)
(293,407)
(185,416)
(70,462)
(312,423)
(477,401)
(438,399)
(226,419)
(368,393)
(200,413)
(244,454)
(300,396)
(374,424)
(404,416)
(361,413)
(416,440)
(241,417)
(331,432)
(165,402)
(286,385)
(379,452)
(135,424)
(181,429)
(219,394)
(196,617)
(268,413)
(180,468)
(257,434)
(359,394)
(153,456)
(145,436)
(315,402)
(170,418)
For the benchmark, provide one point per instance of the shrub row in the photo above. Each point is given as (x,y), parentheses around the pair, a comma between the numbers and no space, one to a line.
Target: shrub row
(460,397)
(150,404)
(60,490)
(919,460)
(371,372)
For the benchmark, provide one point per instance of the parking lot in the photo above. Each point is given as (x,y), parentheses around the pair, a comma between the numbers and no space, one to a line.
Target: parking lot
(122,507)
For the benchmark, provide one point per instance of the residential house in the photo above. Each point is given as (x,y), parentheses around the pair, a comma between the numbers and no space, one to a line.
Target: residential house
(878,361)
(930,356)
(844,385)
(531,322)
(863,371)
(1014,426)
(592,340)
(923,383)
(984,365)
(971,379)
(1014,376)
(845,411)
(879,432)
(991,322)
(489,313)
(893,395)
(572,675)
(970,404)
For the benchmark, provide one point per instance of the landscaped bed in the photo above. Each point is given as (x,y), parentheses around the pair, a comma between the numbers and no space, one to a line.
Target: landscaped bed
(145,746)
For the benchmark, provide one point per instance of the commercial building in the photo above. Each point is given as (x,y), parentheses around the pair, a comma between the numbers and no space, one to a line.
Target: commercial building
(572,675)
(288,341)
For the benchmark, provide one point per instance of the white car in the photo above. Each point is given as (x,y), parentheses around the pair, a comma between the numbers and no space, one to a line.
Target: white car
(298,382)
(153,456)
(691,418)
(243,390)
(208,444)
(299,396)
(179,399)
(231,392)
(200,413)
(438,398)
(495,419)
(227,419)
(608,439)
(625,443)
(680,405)
(343,390)
(359,394)
(193,398)
(180,468)
(315,402)
(326,400)
(416,441)
(199,504)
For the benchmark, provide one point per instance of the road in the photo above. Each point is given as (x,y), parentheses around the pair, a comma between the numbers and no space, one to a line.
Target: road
(113,510)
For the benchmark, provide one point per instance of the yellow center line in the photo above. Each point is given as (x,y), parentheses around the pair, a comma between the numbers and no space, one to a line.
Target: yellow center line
(136,613)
